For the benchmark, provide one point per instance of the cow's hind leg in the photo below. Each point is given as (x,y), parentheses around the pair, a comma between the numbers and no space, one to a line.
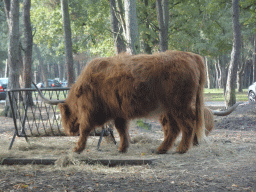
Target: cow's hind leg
(171,131)
(122,128)
(186,124)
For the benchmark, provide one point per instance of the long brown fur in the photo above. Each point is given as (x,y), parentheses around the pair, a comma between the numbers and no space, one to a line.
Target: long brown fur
(208,117)
(125,87)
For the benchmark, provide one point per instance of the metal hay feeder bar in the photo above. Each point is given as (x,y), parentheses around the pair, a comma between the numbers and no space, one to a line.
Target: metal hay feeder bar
(34,118)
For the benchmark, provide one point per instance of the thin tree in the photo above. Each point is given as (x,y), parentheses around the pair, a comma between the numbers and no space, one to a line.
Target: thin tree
(254,58)
(240,72)
(207,73)
(27,48)
(146,36)
(12,15)
(230,97)
(163,20)
(68,42)
(42,66)
(131,31)
(116,29)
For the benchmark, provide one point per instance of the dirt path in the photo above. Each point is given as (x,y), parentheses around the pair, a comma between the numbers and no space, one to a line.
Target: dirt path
(226,163)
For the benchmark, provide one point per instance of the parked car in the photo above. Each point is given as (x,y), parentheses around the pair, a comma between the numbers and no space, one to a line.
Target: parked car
(40,85)
(3,87)
(64,84)
(53,83)
(252,92)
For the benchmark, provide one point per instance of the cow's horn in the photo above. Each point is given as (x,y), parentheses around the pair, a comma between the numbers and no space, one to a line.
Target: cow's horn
(228,111)
(51,102)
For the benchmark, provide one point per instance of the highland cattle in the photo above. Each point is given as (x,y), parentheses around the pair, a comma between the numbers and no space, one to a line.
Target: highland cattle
(208,116)
(125,87)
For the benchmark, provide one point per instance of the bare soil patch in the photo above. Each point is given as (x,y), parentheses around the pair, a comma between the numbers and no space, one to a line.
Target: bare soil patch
(226,163)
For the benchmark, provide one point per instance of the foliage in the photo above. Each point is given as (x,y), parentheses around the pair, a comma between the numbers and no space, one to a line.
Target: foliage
(143,124)
(249,15)
(217,95)
(89,24)
(200,26)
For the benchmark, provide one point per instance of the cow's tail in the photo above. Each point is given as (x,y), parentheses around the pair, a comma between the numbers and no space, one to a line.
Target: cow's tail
(200,122)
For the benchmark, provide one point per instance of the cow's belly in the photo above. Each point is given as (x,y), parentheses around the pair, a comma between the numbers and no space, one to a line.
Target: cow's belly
(156,113)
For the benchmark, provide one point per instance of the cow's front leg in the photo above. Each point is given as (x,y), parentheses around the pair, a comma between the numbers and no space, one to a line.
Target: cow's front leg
(81,143)
(122,128)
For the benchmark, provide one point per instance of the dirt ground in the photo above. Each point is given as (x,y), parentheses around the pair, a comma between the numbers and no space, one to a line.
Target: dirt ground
(227,162)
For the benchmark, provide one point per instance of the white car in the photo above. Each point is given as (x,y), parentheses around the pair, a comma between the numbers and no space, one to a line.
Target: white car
(252,92)
(64,84)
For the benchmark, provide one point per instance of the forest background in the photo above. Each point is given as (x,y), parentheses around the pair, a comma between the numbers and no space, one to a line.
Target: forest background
(47,39)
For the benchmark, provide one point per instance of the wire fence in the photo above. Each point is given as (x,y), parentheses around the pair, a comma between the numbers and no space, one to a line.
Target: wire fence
(34,118)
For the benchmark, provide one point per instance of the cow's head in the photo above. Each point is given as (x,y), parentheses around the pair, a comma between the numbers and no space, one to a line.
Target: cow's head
(68,114)
(69,119)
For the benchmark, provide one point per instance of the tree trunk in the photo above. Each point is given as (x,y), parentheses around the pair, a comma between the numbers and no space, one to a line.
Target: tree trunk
(239,82)
(27,48)
(224,70)
(230,97)
(20,66)
(55,70)
(163,20)
(222,79)
(78,68)
(146,37)
(254,59)
(207,73)
(116,29)
(220,85)
(247,73)
(6,72)
(12,15)
(131,32)
(68,42)
(217,72)
(120,14)
(240,74)
(43,67)
(60,68)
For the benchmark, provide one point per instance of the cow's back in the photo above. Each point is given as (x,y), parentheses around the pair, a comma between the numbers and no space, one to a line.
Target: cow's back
(133,86)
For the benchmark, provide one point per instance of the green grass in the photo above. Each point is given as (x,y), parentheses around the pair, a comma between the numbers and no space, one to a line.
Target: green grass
(217,95)
(209,95)
(143,124)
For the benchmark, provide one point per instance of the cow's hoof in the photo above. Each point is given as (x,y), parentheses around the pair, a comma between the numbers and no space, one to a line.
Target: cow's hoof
(78,150)
(195,141)
(158,151)
(122,150)
(181,151)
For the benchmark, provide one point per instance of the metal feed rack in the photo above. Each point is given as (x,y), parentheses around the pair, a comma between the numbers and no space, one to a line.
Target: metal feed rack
(38,119)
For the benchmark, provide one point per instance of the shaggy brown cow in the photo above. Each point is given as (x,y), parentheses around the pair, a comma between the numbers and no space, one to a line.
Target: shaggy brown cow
(208,116)
(125,87)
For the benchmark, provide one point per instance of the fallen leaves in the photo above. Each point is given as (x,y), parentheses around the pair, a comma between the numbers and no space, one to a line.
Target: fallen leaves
(20,186)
